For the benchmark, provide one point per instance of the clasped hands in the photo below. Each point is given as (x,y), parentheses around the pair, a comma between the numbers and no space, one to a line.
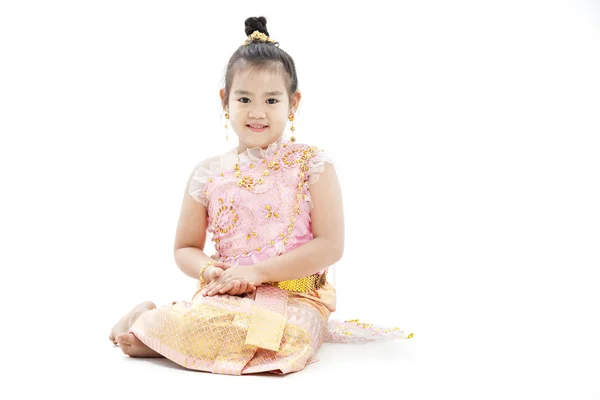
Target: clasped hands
(232,279)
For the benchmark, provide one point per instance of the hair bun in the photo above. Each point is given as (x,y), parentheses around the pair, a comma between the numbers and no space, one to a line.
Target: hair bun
(256,24)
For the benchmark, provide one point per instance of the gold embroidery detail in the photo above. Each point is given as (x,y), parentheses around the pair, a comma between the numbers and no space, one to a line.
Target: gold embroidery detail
(274,165)
(221,210)
(247,182)
(270,212)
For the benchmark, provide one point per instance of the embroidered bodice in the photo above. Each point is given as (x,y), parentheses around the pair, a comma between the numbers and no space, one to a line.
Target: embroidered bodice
(259,206)
(258,202)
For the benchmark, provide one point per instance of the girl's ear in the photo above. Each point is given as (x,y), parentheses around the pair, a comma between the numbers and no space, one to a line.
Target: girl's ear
(222,95)
(295,101)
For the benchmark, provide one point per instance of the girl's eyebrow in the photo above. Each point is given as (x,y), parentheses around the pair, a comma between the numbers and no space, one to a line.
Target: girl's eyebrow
(243,92)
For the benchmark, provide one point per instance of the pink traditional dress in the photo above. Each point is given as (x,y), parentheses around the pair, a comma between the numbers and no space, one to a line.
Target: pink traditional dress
(258,205)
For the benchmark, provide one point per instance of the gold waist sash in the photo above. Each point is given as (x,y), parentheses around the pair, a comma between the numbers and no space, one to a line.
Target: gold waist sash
(307,284)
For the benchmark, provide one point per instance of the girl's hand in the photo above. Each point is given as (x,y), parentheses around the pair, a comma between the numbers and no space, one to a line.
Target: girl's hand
(211,273)
(234,280)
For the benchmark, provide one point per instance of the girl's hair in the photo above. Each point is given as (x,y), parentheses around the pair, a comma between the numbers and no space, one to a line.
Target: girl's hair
(264,56)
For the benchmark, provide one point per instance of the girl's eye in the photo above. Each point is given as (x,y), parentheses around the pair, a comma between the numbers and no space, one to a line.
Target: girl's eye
(246,100)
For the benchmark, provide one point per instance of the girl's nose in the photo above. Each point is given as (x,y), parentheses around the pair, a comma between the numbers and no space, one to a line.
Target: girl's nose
(257,114)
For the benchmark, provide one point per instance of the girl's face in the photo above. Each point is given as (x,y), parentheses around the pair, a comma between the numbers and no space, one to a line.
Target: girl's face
(259,107)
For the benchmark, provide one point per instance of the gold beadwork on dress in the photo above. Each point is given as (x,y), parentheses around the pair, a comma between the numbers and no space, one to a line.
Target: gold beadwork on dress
(270,212)
(306,153)
(221,212)
(251,234)
(247,182)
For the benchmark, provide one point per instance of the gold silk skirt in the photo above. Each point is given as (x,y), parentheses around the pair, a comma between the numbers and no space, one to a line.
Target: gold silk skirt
(270,330)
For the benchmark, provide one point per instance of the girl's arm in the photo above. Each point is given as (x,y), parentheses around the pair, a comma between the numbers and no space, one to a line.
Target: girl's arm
(327,246)
(191,236)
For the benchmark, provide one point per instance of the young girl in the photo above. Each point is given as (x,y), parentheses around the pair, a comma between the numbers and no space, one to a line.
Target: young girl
(274,209)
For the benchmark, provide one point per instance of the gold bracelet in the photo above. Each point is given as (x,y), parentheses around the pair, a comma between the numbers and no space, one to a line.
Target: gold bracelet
(202,269)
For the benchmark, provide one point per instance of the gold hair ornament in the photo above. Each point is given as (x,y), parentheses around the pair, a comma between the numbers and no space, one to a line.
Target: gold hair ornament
(256,35)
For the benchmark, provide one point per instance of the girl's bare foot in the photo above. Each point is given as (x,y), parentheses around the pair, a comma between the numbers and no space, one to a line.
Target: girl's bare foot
(133,347)
(127,321)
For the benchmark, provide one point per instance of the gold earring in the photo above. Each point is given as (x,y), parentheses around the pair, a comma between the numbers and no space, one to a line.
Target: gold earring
(226,130)
(292,128)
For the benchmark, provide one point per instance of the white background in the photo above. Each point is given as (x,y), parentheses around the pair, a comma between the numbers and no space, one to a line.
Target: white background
(465,136)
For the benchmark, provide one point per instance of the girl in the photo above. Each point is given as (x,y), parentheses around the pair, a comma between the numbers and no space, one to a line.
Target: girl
(274,208)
